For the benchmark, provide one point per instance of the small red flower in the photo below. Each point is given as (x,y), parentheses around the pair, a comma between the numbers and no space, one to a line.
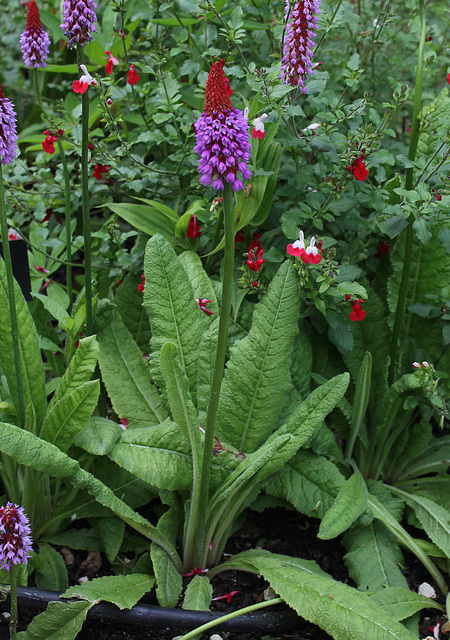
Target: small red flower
(358,312)
(142,284)
(195,572)
(256,244)
(112,61)
(132,75)
(439,197)
(193,230)
(226,597)
(41,269)
(255,259)
(382,248)
(448,78)
(124,424)
(202,302)
(49,143)
(359,169)
(239,237)
(99,169)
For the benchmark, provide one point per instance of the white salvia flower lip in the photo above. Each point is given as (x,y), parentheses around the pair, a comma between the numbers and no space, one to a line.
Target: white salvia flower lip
(246,112)
(258,123)
(312,126)
(426,590)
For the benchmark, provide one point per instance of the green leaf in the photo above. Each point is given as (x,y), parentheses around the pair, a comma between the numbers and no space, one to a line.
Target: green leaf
(159,456)
(99,436)
(198,278)
(52,573)
(127,377)
(123,591)
(206,361)
(32,369)
(84,539)
(422,230)
(112,531)
(169,580)
(257,378)
(402,603)
(151,219)
(360,402)
(70,414)
(340,610)
(373,557)
(350,503)
(80,369)
(198,594)
(174,313)
(128,301)
(60,621)
(351,288)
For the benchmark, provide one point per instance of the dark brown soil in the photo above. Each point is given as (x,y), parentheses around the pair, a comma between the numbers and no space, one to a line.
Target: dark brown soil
(278,530)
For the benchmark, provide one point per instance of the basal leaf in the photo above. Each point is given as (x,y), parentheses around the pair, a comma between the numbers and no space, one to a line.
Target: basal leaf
(32,370)
(128,301)
(169,580)
(98,436)
(198,278)
(69,415)
(350,503)
(198,594)
(174,314)
(60,621)
(52,572)
(257,378)
(127,377)
(123,591)
(402,603)
(112,531)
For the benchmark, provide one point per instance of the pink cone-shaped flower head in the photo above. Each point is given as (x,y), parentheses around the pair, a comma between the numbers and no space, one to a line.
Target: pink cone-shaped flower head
(15,540)
(301,18)
(78,21)
(222,135)
(34,41)
(8,130)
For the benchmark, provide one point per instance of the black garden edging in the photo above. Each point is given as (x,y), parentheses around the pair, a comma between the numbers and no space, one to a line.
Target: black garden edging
(160,617)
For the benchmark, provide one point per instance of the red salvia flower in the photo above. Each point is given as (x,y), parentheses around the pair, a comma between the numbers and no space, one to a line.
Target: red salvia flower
(255,259)
(202,302)
(99,169)
(193,230)
(358,312)
(358,169)
(142,284)
(382,249)
(132,75)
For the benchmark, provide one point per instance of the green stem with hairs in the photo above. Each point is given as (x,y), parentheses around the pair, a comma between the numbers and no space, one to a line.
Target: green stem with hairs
(85,208)
(67,193)
(14,616)
(227,282)
(12,304)
(195,633)
(409,184)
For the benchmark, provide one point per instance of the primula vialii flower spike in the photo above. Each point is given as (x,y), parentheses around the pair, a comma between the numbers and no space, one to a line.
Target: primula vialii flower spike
(8,130)
(78,21)
(15,540)
(301,29)
(34,41)
(222,135)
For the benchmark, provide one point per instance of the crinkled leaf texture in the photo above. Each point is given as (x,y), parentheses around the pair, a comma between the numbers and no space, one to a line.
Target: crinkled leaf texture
(30,355)
(198,594)
(257,379)
(343,612)
(350,503)
(170,582)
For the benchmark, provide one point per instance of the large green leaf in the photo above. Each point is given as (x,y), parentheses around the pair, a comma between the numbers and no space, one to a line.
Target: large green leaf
(198,594)
(123,591)
(70,415)
(60,621)
(402,603)
(128,301)
(257,378)
(159,456)
(169,580)
(32,369)
(343,612)
(51,573)
(174,314)
(200,283)
(127,377)
(151,218)
(99,436)
(350,503)
(373,557)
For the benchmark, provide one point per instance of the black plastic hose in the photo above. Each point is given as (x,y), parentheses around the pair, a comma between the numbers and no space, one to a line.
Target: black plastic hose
(160,617)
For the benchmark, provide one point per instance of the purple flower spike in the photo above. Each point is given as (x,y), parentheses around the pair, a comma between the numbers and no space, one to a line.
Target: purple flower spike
(8,130)
(34,40)
(222,134)
(79,17)
(15,541)
(299,42)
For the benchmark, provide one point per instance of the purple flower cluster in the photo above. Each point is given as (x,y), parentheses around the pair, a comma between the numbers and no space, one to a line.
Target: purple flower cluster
(79,17)
(222,134)
(34,41)
(15,541)
(8,130)
(299,42)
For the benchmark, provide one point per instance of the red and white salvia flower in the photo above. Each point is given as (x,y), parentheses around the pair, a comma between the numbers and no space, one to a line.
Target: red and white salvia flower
(358,168)
(132,75)
(112,62)
(49,143)
(222,135)
(193,229)
(15,540)
(13,235)
(100,169)
(298,247)
(308,254)
(202,302)
(41,269)
(416,365)
(302,19)
(34,41)
(258,130)
(8,130)
(78,21)
(81,85)
(124,424)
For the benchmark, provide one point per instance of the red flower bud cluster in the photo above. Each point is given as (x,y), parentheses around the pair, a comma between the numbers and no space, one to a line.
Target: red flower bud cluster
(99,169)
(142,284)
(193,230)
(255,256)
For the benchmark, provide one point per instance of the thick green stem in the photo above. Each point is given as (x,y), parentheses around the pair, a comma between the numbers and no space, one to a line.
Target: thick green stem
(12,304)
(195,633)
(409,185)
(14,617)
(215,241)
(67,193)
(227,282)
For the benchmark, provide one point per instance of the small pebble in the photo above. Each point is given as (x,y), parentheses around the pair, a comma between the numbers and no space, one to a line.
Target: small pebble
(426,590)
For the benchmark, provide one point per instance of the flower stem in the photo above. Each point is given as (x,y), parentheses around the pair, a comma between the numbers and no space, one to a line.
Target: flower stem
(67,193)
(409,185)
(230,616)
(85,208)
(227,283)
(12,304)
(14,616)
